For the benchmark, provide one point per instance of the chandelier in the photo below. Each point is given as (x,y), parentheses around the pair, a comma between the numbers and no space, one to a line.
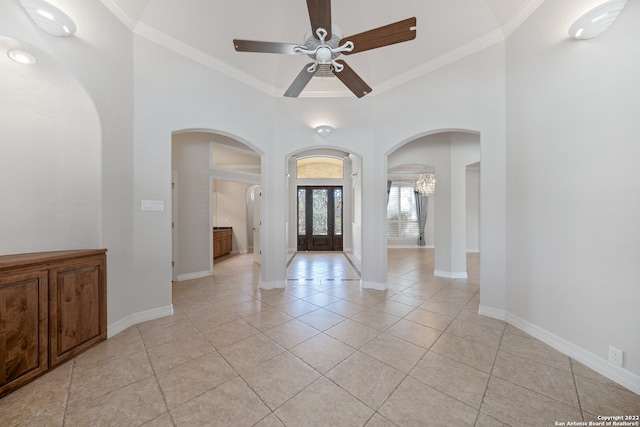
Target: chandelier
(425,184)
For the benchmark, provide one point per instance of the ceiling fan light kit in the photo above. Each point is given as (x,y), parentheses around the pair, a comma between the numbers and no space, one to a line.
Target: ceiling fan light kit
(324,44)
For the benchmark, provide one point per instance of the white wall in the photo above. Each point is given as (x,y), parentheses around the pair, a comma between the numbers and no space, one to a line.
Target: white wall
(473,208)
(99,57)
(573,200)
(466,95)
(173,94)
(190,161)
(230,210)
(50,158)
(356,212)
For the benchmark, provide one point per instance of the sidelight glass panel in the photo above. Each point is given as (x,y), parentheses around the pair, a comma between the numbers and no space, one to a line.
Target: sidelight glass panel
(302,211)
(337,206)
(320,202)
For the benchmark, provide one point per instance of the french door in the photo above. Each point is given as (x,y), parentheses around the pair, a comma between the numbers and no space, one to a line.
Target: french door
(319,218)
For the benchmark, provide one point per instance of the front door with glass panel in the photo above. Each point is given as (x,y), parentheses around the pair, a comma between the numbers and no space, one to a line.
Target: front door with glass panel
(319,218)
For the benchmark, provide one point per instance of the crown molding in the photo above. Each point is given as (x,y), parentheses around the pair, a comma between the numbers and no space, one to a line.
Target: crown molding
(450,57)
(115,8)
(520,16)
(188,51)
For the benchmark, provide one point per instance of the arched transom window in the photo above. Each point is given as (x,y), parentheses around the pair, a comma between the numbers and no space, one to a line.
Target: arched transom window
(320,167)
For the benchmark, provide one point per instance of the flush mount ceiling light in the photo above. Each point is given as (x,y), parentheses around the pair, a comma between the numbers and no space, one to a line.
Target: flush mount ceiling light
(49,18)
(21,57)
(597,20)
(323,130)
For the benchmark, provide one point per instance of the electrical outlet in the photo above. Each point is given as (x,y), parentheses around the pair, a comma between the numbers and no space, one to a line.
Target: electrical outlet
(616,356)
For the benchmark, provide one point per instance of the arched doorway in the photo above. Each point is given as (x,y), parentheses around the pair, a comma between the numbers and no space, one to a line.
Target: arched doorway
(448,155)
(212,173)
(323,203)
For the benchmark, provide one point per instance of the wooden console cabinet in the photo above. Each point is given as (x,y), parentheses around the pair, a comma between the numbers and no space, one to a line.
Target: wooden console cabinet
(222,241)
(53,306)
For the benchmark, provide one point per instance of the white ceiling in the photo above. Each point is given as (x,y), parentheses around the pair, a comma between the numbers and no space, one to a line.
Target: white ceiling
(204,29)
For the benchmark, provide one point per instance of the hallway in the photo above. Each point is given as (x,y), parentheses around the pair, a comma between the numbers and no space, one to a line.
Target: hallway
(321,352)
(320,267)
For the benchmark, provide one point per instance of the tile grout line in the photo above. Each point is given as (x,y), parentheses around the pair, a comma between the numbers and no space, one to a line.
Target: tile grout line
(155,376)
(491,375)
(575,384)
(66,400)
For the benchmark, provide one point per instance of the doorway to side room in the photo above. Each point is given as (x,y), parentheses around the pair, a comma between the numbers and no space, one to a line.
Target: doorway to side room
(212,173)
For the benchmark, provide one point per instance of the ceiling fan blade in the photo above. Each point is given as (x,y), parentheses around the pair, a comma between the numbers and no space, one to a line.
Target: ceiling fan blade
(352,80)
(300,82)
(397,32)
(264,47)
(320,16)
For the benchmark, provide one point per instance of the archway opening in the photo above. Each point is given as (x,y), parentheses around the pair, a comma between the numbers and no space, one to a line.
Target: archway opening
(324,203)
(452,218)
(212,174)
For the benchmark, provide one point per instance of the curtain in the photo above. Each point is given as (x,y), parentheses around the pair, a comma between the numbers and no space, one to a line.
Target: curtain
(388,190)
(422,203)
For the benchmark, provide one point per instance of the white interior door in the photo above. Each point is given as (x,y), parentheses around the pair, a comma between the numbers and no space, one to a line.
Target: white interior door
(257,249)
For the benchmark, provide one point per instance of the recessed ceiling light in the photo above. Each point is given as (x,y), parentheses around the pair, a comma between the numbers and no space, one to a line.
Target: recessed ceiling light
(49,18)
(21,57)
(597,20)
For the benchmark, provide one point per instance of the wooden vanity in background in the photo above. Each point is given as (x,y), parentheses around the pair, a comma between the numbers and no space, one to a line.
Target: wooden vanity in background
(222,241)
(53,306)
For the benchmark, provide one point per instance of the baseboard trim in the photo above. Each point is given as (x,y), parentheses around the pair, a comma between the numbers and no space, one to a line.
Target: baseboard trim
(450,274)
(276,284)
(615,373)
(411,246)
(142,316)
(190,276)
(378,286)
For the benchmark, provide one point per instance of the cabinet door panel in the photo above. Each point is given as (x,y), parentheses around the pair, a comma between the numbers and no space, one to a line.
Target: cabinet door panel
(76,309)
(23,328)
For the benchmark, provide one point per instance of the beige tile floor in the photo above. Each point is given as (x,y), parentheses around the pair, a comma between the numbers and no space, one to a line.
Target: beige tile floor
(322,352)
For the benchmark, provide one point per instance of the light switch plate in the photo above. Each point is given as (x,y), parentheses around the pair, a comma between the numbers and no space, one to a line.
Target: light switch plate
(152,205)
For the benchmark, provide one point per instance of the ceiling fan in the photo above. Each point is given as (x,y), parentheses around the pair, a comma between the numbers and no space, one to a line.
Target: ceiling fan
(324,44)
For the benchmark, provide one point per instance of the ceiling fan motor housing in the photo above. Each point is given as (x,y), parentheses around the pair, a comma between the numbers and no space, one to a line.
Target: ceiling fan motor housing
(312,43)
